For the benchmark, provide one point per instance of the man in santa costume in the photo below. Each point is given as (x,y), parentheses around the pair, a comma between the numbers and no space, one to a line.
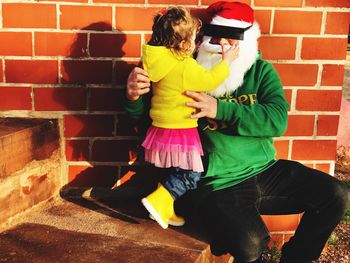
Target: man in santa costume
(243,179)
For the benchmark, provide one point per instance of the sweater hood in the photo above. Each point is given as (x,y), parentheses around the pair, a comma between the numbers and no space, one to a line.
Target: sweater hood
(158,61)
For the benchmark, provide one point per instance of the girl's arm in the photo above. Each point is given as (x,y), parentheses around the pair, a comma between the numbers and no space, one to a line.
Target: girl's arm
(197,78)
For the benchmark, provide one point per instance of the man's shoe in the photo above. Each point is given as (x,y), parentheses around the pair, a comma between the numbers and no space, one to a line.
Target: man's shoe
(160,204)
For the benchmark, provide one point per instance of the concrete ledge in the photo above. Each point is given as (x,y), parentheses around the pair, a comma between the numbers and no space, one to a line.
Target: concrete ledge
(114,228)
(30,165)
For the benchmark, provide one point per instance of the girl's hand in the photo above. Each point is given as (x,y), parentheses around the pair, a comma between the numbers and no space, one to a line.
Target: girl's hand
(138,84)
(231,54)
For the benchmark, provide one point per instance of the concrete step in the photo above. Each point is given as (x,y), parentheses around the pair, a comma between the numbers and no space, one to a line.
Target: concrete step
(23,140)
(30,165)
(112,227)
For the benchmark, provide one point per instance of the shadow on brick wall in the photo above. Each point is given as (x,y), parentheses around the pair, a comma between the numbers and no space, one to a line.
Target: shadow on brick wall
(89,78)
(90,74)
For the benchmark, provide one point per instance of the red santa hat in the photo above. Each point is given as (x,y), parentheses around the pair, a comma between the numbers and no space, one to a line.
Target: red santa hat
(231,14)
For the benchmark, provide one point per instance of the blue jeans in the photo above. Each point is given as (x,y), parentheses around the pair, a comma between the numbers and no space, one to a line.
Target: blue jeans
(233,219)
(179,181)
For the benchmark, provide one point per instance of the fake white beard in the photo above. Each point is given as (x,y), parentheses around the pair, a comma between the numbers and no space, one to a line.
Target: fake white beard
(208,56)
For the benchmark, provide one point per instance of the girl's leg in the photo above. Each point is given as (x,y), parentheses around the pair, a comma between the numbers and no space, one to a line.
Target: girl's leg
(179,181)
(160,203)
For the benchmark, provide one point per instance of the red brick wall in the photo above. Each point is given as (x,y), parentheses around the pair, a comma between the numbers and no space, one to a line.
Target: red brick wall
(69,59)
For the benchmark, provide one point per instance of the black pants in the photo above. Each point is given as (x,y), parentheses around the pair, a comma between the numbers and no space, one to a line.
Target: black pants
(232,215)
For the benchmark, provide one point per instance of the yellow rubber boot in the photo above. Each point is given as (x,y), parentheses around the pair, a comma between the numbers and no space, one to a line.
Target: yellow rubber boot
(160,205)
(174,220)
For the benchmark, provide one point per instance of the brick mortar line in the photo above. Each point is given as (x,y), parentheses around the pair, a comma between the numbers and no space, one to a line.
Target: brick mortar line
(115,126)
(3,70)
(293,100)
(72,31)
(290,148)
(86,86)
(88,4)
(319,75)
(33,43)
(315,87)
(136,59)
(114,22)
(315,161)
(308,62)
(332,168)
(30,114)
(56,58)
(32,98)
(88,35)
(90,145)
(282,232)
(58,16)
(306,35)
(59,72)
(323,22)
(85,112)
(298,47)
(272,21)
(1,17)
(313,113)
(310,138)
(33,113)
(296,112)
(138,32)
(306,8)
(315,126)
(148,5)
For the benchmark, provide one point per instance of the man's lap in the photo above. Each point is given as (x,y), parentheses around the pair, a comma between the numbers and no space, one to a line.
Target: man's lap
(287,187)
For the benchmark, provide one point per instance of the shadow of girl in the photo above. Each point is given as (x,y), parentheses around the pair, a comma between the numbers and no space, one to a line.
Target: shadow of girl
(90,96)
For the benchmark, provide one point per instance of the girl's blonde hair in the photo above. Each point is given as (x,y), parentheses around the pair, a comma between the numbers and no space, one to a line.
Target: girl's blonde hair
(172,26)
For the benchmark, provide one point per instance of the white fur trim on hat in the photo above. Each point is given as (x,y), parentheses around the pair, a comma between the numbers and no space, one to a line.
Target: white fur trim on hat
(219,20)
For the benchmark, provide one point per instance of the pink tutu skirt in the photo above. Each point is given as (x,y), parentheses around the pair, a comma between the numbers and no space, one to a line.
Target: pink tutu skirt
(174,148)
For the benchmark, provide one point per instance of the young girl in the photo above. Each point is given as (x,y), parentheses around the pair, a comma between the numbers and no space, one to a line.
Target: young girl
(172,141)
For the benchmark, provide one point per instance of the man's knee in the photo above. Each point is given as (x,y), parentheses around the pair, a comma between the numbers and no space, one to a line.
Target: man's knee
(341,195)
(251,249)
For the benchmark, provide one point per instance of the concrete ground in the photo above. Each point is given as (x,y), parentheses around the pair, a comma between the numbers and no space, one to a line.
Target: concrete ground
(114,228)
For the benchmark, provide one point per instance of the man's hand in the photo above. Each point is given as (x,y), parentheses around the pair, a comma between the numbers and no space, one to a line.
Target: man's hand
(138,84)
(205,105)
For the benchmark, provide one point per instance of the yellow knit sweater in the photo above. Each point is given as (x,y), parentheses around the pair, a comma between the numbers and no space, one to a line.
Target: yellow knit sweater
(171,76)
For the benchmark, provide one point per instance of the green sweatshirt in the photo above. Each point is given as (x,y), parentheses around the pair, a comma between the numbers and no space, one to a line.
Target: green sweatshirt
(238,144)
